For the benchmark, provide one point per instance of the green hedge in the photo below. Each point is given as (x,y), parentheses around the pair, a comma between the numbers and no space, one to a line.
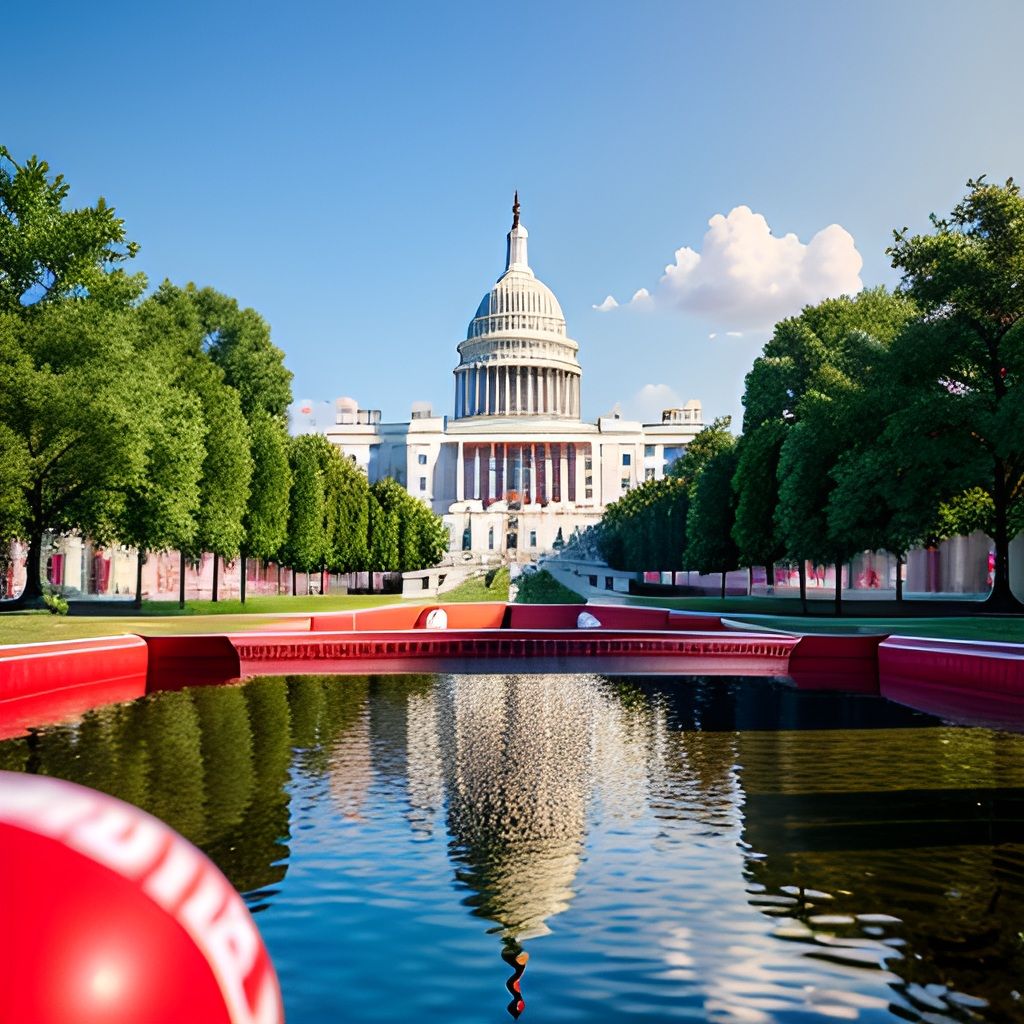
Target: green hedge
(542,588)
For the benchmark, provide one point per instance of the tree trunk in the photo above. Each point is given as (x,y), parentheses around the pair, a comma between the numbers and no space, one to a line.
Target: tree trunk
(138,578)
(899,577)
(750,581)
(278,579)
(33,592)
(293,580)
(181,580)
(723,584)
(216,567)
(1002,598)
(323,586)
(803,585)
(241,578)
(839,588)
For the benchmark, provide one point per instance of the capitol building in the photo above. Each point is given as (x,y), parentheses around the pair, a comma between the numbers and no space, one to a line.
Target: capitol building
(514,471)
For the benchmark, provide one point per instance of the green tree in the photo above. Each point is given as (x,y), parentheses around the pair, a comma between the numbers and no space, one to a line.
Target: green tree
(238,341)
(811,449)
(709,442)
(646,527)
(825,352)
(227,466)
(352,540)
(432,536)
(306,546)
(960,369)
(709,543)
(265,522)
(383,520)
(73,418)
(756,485)
(160,508)
(419,537)
(48,253)
(73,397)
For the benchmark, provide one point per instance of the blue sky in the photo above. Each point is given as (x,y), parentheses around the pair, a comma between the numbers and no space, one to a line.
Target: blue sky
(348,170)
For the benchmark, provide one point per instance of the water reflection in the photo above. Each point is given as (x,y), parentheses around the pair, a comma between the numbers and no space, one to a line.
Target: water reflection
(724,849)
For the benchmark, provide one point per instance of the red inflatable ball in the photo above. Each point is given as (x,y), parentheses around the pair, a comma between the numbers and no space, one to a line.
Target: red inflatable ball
(107,916)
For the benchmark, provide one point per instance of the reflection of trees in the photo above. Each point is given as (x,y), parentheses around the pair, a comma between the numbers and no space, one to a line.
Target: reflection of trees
(213,763)
(925,849)
(168,725)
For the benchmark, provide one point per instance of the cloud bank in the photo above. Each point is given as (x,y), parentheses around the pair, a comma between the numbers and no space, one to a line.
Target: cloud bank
(647,404)
(746,277)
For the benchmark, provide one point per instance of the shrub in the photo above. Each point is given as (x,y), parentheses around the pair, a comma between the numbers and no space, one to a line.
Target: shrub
(56,604)
(542,588)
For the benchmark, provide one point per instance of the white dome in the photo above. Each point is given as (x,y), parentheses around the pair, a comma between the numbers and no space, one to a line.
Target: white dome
(517,358)
(518,303)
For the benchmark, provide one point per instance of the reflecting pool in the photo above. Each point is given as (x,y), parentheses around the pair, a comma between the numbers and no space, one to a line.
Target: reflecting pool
(661,849)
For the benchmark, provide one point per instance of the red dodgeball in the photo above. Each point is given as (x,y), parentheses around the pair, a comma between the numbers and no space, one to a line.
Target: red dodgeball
(107,916)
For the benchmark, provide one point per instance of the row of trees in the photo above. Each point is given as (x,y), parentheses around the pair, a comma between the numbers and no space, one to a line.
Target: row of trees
(876,422)
(340,523)
(160,422)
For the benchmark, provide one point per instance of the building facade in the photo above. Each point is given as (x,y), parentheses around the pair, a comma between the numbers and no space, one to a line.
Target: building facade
(515,470)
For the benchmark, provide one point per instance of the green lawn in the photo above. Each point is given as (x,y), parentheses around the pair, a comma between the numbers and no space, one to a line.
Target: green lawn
(777,613)
(476,588)
(1004,628)
(164,617)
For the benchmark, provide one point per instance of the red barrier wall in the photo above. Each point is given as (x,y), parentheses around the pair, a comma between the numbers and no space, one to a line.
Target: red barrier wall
(836,662)
(48,682)
(975,681)
(179,661)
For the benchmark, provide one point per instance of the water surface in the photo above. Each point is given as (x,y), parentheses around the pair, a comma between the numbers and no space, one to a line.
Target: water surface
(666,849)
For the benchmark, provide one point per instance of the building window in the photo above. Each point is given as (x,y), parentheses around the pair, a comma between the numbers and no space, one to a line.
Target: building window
(626,458)
(589,493)
(423,483)
(649,473)
(609,583)
(490,539)
(625,483)
(421,459)
(533,538)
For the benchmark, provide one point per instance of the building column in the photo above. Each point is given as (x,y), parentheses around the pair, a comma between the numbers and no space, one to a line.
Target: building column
(460,473)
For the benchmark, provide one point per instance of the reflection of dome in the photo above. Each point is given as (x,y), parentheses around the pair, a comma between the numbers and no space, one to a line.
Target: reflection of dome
(518,774)
(517,358)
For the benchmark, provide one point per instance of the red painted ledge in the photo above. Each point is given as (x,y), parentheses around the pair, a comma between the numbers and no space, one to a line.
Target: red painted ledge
(975,681)
(52,681)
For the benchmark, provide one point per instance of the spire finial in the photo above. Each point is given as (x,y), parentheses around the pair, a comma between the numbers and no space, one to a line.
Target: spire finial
(515,210)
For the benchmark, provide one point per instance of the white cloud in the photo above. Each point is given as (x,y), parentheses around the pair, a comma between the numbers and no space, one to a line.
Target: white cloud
(609,303)
(746,277)
(647,404)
